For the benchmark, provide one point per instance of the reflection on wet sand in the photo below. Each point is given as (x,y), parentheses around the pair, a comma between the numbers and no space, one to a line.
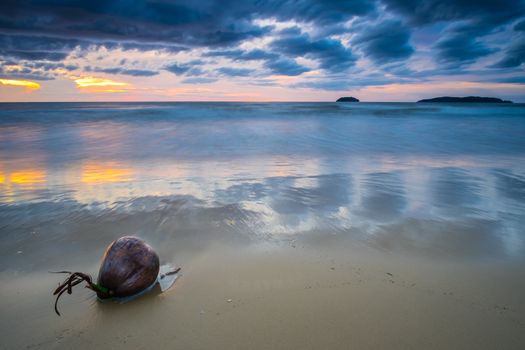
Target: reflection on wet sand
(21,184)
(104,172)
(388,210)
(29,176)
(383,196)
(454,190)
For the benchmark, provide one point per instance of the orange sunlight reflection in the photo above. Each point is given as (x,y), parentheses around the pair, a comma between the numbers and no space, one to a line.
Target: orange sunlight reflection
(94,172)
(29,176)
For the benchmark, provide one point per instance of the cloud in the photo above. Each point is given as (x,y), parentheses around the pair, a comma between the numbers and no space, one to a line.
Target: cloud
(13,70)
(23,83)
(321,12)
(330,53)
(257,54)
(189,68)
(512,80)
(514,56)
(422,12)
(341,84)
(324,85)
(35,47)
(160,25)
(132,72)
(520,26)
(469,21)
(51,66)
(203,23)
(235,72)
(341,42)
(459,45)
(385,42)
(199,80)
(101,85)
(240,55)
(285,66)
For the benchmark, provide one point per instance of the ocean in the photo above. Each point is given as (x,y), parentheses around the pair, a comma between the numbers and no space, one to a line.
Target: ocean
(261,204)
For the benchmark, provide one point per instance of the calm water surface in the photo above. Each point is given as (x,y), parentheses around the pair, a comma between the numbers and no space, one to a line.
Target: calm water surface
(446,180)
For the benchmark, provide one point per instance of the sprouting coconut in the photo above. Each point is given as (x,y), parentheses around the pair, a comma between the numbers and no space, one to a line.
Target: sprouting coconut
(130,268)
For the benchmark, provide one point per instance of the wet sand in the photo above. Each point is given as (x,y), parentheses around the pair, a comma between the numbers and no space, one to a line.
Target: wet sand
(285,295)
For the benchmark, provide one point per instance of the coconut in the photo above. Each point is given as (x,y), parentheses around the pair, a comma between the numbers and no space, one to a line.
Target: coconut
(129,266)
(129,269)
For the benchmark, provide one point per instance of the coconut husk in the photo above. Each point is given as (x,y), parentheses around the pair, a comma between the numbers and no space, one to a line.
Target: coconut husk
(130,268)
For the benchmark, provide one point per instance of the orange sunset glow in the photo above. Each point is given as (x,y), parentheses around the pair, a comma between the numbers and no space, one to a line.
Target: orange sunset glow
(20,83)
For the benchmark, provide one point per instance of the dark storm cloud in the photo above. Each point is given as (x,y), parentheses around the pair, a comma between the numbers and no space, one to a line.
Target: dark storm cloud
(514,56)
(200,23)
(285,66)
(420,12)
(460,46)
(470,21)
(520,26)
(385,42)
(331,54)
(35,47)
(323,12)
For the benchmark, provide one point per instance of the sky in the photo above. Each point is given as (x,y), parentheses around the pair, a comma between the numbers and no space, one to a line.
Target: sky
(260,50)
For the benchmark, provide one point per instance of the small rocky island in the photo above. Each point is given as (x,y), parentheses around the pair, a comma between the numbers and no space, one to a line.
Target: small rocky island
(468,99)
(347,99)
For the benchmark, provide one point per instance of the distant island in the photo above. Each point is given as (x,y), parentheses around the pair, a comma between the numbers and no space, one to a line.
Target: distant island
(468,99)
(347,99)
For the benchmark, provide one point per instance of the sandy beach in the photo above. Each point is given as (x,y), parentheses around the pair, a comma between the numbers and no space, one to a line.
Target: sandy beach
(280,296)
(395,228)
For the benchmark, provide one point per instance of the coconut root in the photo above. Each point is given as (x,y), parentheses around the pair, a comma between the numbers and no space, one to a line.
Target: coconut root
(72,280)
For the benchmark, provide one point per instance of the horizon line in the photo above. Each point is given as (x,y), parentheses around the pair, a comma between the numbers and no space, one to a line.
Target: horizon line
(254,101)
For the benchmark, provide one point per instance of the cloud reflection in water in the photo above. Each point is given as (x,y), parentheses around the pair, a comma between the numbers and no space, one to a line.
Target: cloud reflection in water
(261,172)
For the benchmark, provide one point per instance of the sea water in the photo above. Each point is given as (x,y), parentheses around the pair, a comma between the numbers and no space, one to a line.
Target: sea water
(269,169)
